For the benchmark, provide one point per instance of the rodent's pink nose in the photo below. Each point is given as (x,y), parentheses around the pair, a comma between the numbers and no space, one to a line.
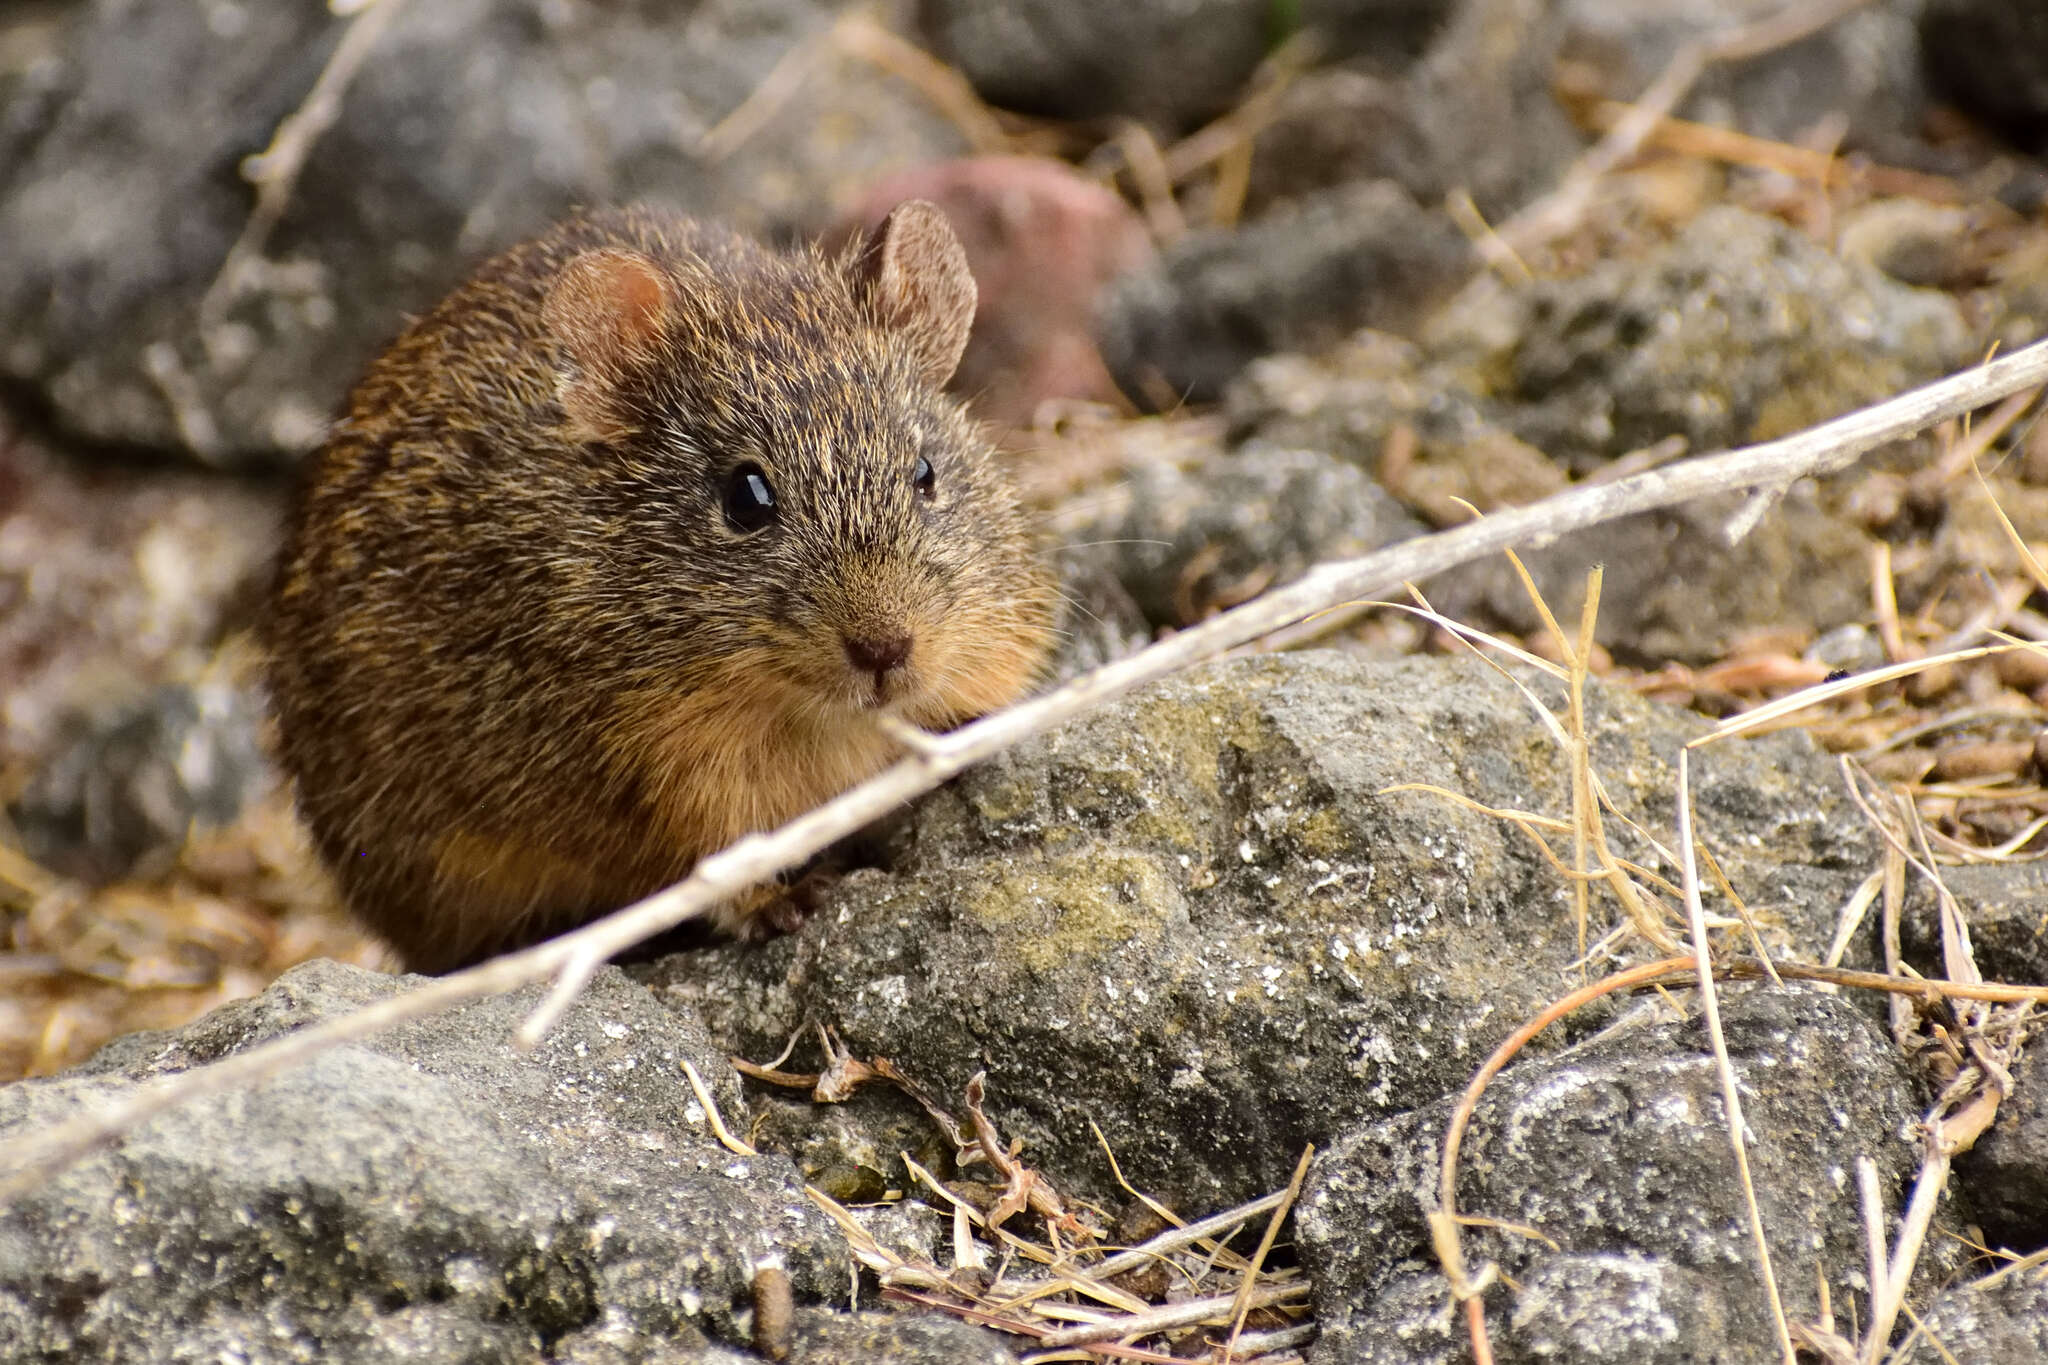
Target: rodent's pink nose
(877,656)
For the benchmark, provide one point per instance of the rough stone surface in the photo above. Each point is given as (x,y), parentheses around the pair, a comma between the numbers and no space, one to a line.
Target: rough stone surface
(2008,1168)
(429,1194)
(472,124)
(1172,62)
(1202,912)
(1991,57)
(1740,330)
(1617,1151)
(1186,540)
(1993,1321)
(1300,279)
(129,784)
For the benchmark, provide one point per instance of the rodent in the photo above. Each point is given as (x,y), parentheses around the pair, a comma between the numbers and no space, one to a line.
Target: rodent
(616,554)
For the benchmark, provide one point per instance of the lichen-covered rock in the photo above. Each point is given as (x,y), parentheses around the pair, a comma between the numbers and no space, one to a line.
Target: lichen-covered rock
(1741,329)
(1204,920)
(1998,1319)
(470,125)
(1618,1152)
(427,1194)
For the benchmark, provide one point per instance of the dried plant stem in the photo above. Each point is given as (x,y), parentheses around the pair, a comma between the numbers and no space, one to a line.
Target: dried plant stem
(1832,446)
(1731,1091)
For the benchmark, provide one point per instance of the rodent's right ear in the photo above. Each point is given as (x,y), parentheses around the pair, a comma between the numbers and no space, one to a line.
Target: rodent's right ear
(608,310)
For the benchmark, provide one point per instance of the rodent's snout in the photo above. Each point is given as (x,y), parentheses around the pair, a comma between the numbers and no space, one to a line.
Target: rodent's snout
(877,655)
(883,654)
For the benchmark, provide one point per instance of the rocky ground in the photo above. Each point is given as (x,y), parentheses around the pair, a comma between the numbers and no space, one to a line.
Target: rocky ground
(1262,285)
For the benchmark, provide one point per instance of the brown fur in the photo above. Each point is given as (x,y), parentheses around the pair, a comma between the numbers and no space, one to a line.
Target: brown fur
(524,670)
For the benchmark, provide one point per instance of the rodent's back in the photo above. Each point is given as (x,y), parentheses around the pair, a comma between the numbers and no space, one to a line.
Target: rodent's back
(617,554)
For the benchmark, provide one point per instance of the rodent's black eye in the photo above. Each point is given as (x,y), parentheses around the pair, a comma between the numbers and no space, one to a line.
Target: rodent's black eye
(749,501)
(925,478)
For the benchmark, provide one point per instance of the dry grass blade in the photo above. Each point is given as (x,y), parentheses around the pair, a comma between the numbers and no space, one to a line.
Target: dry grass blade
(1249,1286)
(1731,1094)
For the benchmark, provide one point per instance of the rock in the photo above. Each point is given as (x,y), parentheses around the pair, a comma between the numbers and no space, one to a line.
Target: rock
(430,1193)
(1186,540)
(1477,112)
(1299,279)
(1618,1152)
(2007,1171)
(2003,902)
(1862,69)
(470,125)
(1043,242)
(1740,330)
(1991,58)
(824,1338)
(130,783)
(1201,919)
(1999,1318)
(1169,62)
(1674,589)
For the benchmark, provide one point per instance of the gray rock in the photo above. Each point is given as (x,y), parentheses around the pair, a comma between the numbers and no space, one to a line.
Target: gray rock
(1986,1322)
(1479,113)
(1618,1152)
(128,784)
(1740,330)
(1674,589)
(427,1194)
(1300,279)
(2003,901)
(1991,57)
(2007,1171)
(1188,539)
(471,125)
(1864,68)
(824,1338)
(1201,919)
(1172,62)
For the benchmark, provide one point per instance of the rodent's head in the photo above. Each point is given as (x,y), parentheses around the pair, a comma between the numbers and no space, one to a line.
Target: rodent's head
(788,512)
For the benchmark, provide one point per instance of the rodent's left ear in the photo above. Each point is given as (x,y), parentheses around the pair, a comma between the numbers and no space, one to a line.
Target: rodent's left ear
(912,272)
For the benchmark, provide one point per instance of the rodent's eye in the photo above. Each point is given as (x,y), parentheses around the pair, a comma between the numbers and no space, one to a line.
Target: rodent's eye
(749,501)
(924,478)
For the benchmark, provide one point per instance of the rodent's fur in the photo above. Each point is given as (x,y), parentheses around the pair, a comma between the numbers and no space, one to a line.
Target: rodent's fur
(524,669)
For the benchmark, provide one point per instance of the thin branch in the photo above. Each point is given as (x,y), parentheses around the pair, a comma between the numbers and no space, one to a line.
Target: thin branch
(274,171)
(756,857)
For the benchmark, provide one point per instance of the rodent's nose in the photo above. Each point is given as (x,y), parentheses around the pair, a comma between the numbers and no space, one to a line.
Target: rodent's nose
(877,656)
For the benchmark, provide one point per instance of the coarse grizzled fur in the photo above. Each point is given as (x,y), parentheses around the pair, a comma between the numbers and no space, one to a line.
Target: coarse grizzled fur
(527,670)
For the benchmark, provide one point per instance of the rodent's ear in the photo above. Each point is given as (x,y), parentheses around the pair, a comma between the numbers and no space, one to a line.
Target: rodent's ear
(608,310)
(913,273)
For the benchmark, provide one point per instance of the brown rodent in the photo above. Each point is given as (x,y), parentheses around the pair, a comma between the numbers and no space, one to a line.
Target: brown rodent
(616,555)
